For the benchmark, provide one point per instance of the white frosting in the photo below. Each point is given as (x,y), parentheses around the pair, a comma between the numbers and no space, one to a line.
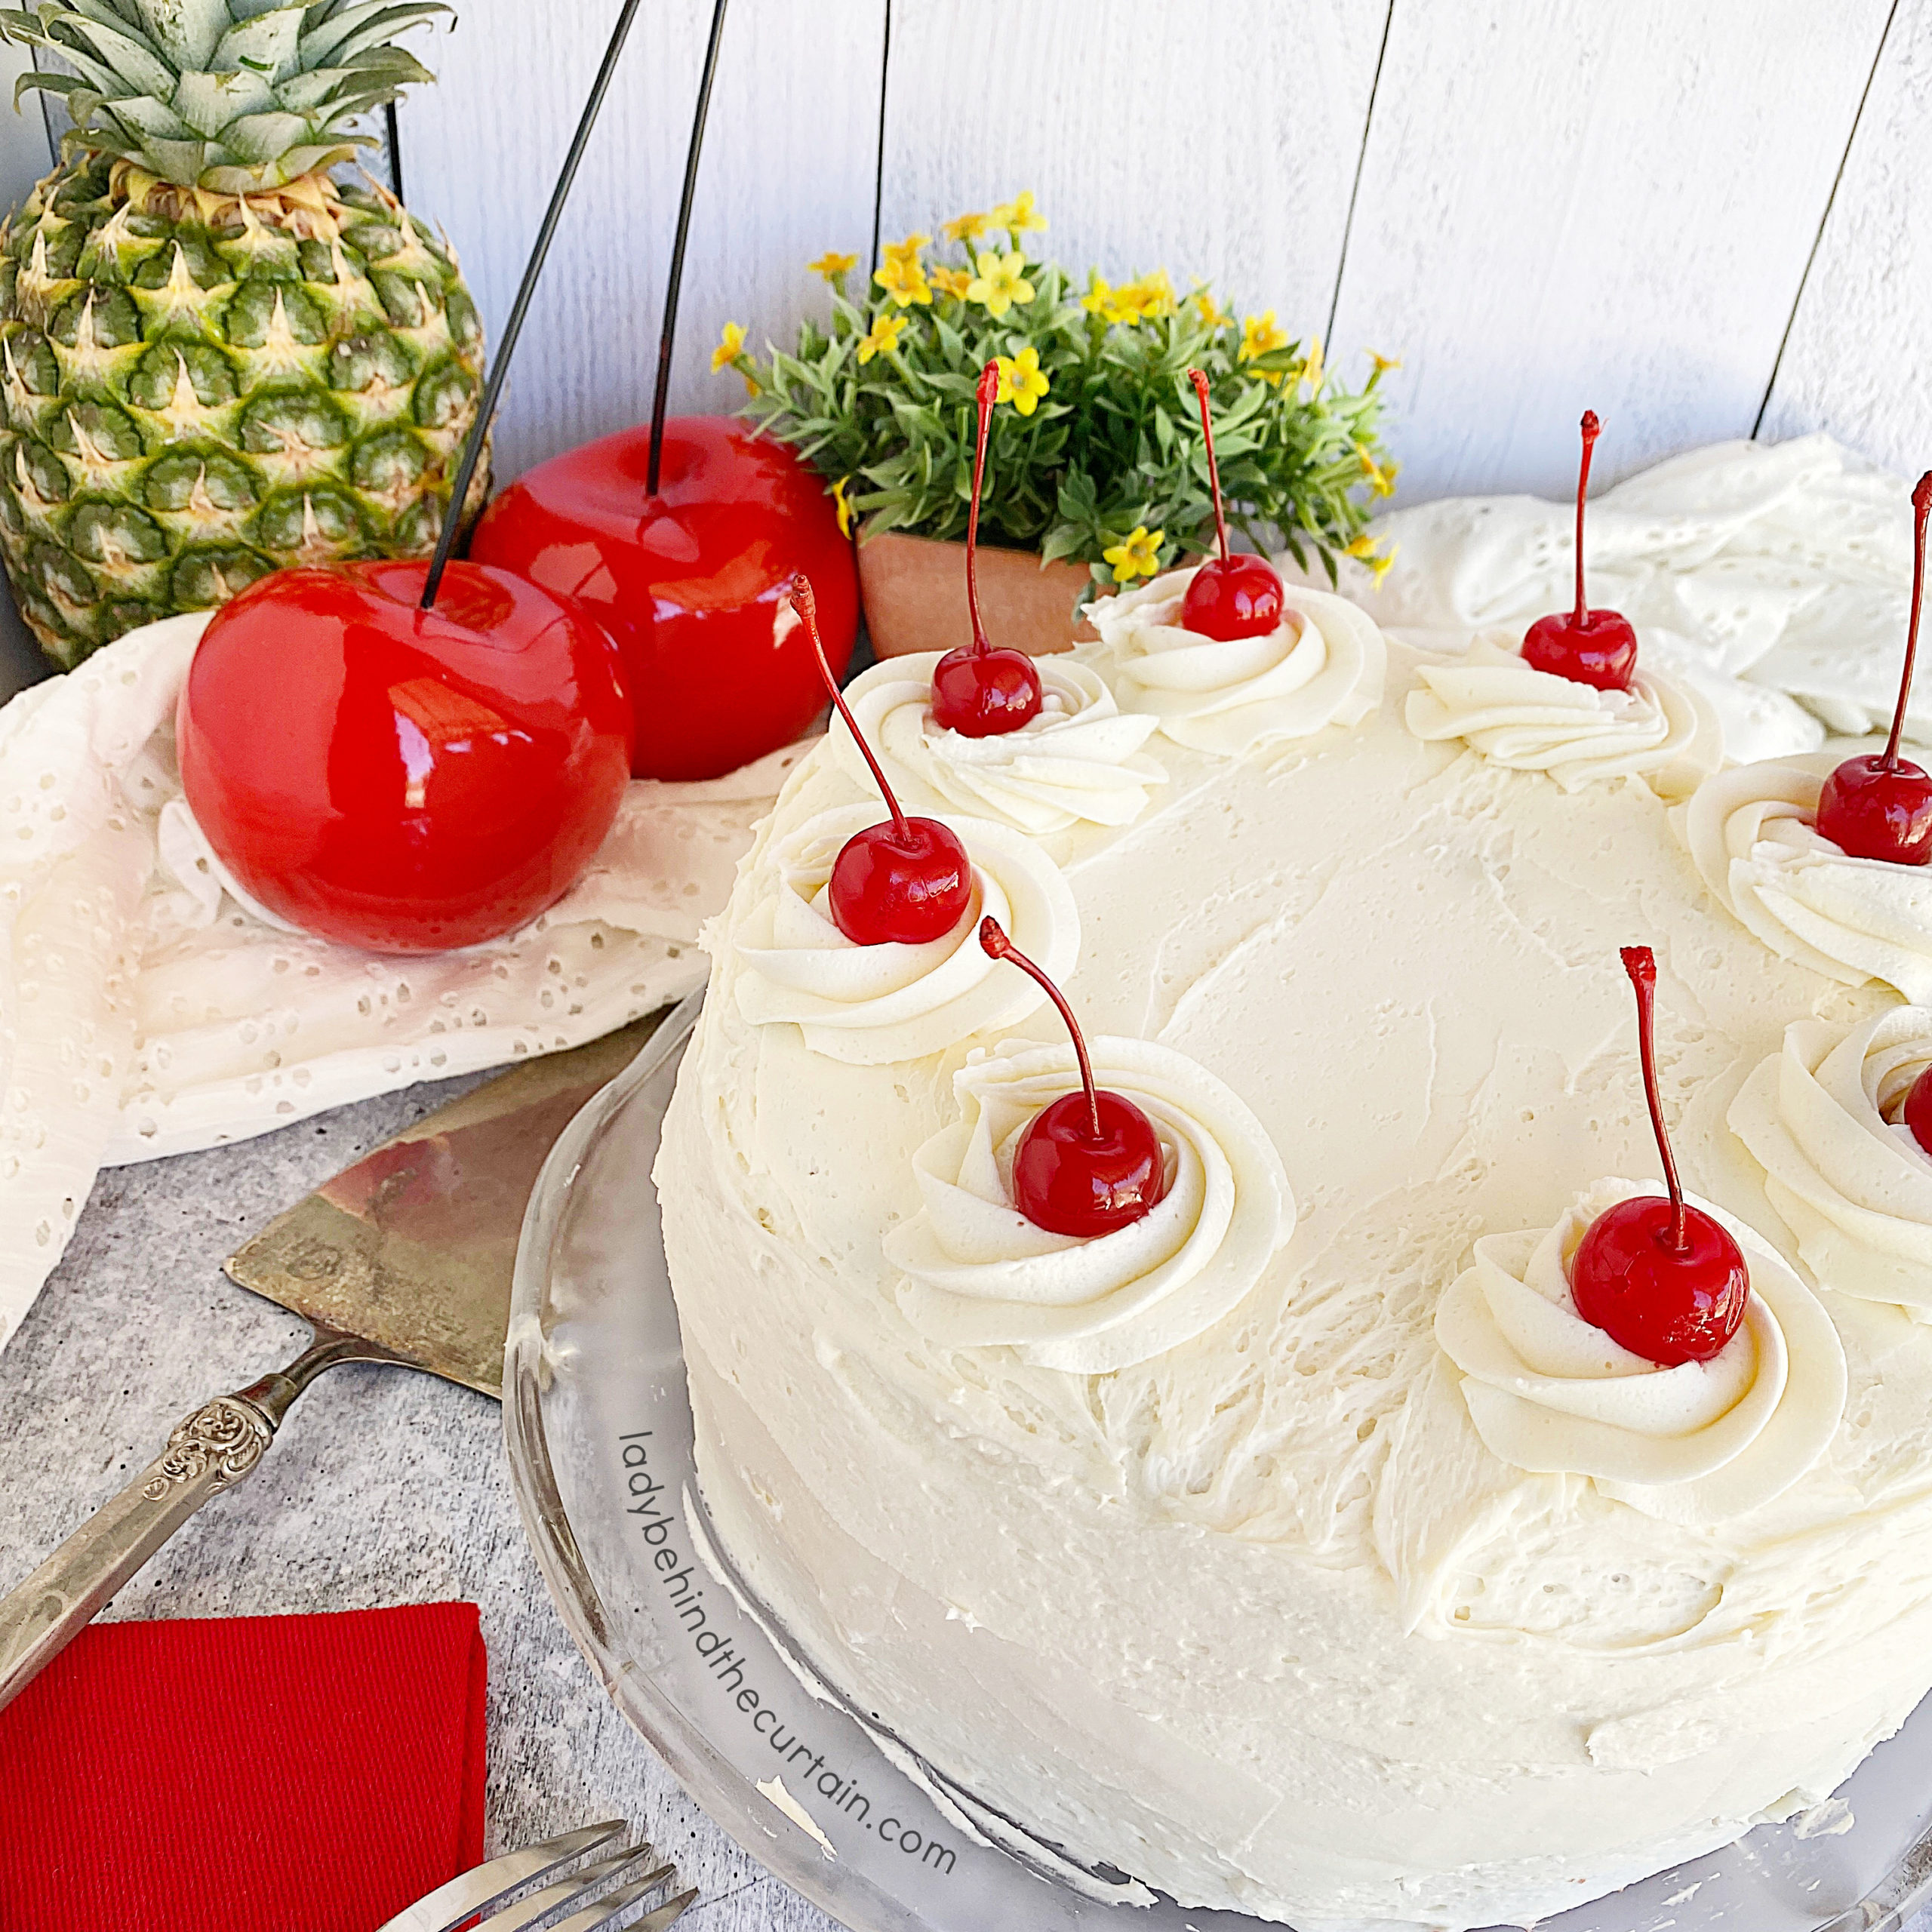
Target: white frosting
(1079,759)
(1260,1619)
(982,1274)
(1322,665)
(1852,1184)
(144,1010)
(1695,1443)
(1752,835)
(1530,720)
(870,1005)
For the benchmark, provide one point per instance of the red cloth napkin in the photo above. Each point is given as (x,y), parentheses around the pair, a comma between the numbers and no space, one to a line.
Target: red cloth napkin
(301,1773)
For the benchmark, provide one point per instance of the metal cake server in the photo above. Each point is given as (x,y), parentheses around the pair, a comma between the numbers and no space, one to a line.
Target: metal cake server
(405,1257)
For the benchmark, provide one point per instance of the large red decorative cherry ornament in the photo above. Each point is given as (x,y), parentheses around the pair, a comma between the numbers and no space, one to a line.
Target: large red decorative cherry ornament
(905,880)
(1234,595)
(1881,807)
(691,582)
(1660,1278)
(1090,1162)
(978,691)
(1588,646)
(400,780)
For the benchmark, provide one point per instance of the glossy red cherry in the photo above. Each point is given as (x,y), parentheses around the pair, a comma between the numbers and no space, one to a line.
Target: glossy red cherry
(1660,1278)
(905,882)
(1233,595)
(1881,808)
(1588,646)
(1917,1114)
(978,691)
(691,582)
(400,779)
(1090,1162)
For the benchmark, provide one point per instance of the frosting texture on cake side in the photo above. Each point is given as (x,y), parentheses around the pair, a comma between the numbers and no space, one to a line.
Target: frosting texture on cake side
(1251,1607)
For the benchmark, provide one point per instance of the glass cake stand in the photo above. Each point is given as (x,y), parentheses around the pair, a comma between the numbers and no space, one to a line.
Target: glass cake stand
(599,1429)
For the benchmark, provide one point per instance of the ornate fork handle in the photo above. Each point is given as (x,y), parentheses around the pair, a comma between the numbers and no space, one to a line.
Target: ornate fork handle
(211,1450)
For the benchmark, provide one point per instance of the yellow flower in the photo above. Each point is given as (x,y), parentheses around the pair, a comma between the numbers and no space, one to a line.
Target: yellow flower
(884,338)
(907,250)
(1019,215)
(844,503)
(1212,315)
(832,264)
(1309,369)
(1138,556)
(1000,283)
(1383,364)
(1364,551)
(1380,481)
(952,281)
(966,227)
(1022,381)
(730,346)
(1150,295)
(1100,301)
(1259,336)
(904,281)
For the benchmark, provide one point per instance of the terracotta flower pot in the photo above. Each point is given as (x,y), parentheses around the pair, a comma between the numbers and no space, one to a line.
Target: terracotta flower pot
(913,591)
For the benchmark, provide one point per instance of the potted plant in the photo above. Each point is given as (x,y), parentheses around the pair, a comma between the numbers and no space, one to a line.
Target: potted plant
(1097,473)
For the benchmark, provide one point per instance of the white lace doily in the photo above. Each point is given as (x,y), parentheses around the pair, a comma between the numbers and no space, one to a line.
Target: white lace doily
(144,1011)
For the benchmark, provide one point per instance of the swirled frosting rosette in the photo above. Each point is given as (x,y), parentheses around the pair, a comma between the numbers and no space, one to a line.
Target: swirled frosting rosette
(1514,714)
(1324,664)
(1080,758)
(1551,1392)
(870,1005)
(980,1275)
(1752,833)
(1851,1182)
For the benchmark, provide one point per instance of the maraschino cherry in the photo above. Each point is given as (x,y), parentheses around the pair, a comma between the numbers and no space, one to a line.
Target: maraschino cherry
(906,882)
(1234,595)
(978,691)
(1588,646)
(1659,1278)
(1881,807)
(1917,1113)
(1090,1162)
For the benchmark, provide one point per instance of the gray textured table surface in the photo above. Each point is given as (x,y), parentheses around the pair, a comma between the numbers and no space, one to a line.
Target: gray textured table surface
(384,1487)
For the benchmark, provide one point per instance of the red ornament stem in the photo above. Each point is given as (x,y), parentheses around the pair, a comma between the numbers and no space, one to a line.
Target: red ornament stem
(987,391)
(1198,378)
(997,945)
(1921,506)
(1640,963)
(806,605)
(1592,429)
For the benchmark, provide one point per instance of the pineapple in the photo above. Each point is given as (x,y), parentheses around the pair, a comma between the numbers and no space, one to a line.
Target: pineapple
(215,360)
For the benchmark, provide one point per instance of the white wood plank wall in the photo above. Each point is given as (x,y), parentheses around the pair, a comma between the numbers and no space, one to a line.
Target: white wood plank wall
(1704,220)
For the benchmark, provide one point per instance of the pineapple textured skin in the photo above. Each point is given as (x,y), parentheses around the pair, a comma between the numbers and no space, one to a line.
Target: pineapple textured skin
(200,387)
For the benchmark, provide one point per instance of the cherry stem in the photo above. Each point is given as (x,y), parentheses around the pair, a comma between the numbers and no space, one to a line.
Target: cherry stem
(1199,379)
(1921,504)
(493,386)
(806,605)
(1640,963)
(994,943)
(1592,429)
(988,390)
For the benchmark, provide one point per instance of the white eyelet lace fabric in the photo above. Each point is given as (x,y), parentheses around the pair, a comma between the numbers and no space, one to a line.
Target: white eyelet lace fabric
(144,1011)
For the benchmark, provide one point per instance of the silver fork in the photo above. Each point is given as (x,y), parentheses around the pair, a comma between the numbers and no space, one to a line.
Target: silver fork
(487,1887)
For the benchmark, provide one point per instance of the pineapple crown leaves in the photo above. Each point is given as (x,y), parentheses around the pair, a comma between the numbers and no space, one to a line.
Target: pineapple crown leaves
(237,96)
